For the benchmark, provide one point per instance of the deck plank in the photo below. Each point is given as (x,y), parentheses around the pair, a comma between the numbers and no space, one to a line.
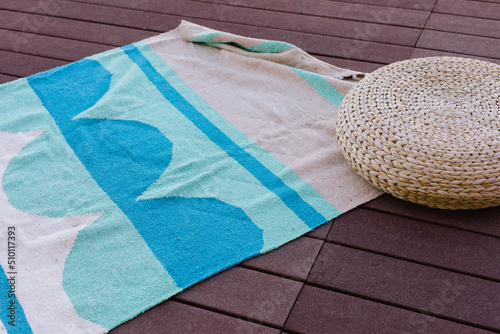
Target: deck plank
(6,78)
(416,4)
(465,44)
(420,53)
(409,285)
(486,221)
(48,46)
(22,65)
(479,9)
(71,29)
(320,311)
(409,239)
(331,46)
(245,293)
(464,25)
(175,317)
(335,9)
(87,12)
(291,20)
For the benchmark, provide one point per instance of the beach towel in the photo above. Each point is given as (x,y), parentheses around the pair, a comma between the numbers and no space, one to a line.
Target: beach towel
(130,175)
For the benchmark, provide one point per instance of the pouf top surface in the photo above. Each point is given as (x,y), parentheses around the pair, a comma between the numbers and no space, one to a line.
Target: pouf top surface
(427,130)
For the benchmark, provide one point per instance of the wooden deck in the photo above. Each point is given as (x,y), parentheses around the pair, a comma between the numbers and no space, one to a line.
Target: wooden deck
(386,267)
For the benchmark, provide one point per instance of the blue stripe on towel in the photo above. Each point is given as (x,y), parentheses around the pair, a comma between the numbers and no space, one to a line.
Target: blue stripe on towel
(11,312)
(288,195)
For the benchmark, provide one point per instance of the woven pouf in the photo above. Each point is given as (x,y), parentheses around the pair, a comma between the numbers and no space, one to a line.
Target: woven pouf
(428,131)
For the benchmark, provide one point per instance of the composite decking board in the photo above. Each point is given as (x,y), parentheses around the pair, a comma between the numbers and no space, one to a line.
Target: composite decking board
(486,221)
(466,44)
(22,65)
(479,9)
(312,43)
(246,293)
(464,25)
(420,53)
(320,311)
(417,4)
(121,17)
(174,317)
(71,29)
(284,21)
(439,246)
(338,10)
(48,46)
(423,5)
(294,259)
(442,293)
(6,78)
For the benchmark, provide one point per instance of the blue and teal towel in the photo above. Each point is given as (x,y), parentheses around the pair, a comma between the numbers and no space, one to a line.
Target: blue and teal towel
(131,175)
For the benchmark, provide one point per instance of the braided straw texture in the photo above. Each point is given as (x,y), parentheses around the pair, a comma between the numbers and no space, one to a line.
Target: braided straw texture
(427,130)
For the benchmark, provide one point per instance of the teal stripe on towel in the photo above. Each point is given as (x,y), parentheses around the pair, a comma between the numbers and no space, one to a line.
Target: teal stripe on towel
(321,86)
(263,47)
(206,38)
(269,47)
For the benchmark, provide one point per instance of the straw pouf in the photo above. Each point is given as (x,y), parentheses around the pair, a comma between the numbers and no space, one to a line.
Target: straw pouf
(427,130)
